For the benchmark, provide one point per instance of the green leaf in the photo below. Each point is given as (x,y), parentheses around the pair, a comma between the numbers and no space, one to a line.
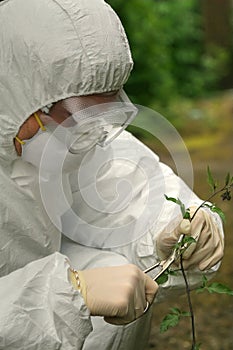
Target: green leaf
(185,314)
(162,279)
(188,240)
(207,205)
(219,212)
(172,272)
(214,287)
(215,209)
(197,346)
(203,286)
(185,213)
(172,199)
(183,209)
(170,320)
(219,288)
(184,244)
(175,310)
(210,180)
(204,280)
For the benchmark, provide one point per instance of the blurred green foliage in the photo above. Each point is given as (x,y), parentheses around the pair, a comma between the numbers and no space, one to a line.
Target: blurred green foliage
(167,43)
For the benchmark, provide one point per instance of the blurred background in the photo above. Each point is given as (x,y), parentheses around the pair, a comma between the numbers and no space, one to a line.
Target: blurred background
(183,54)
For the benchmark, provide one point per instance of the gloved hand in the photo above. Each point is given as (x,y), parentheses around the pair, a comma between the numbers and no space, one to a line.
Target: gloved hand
(209,245)
(118,293)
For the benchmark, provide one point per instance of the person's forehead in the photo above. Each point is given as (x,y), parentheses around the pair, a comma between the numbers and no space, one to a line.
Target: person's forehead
(84,101)
(61,110)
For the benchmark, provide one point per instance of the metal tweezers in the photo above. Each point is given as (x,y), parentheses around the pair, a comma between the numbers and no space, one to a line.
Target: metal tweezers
(165,264)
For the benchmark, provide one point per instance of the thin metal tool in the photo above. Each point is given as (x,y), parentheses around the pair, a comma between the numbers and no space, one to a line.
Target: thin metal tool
(165,264)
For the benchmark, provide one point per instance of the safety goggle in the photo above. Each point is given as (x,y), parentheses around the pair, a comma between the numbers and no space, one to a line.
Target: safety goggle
(97,124)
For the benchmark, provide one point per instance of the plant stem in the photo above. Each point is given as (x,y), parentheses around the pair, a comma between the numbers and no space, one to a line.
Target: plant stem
(210,197)
(184,274)
(188,291)
(189,303)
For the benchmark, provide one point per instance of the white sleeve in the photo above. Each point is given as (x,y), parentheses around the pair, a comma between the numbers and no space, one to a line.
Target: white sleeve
(40,309)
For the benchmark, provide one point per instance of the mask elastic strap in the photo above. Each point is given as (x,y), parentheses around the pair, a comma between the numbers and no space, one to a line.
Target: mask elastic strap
(20,141)
(41,125)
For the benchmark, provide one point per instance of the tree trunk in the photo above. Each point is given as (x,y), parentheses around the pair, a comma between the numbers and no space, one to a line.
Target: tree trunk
(217,22)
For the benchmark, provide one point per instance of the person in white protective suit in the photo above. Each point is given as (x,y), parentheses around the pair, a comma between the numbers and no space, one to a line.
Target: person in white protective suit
(77,190)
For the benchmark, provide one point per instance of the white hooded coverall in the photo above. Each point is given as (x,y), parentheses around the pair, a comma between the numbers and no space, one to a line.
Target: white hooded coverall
(52,50)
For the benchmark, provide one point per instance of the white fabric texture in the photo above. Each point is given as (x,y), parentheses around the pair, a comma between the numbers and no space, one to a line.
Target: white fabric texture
(40,309)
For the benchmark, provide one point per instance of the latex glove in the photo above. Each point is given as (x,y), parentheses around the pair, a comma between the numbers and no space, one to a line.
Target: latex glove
(118,293)
(209,245)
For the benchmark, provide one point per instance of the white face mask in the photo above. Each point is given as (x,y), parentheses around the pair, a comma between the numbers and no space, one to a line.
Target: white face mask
(57,156)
